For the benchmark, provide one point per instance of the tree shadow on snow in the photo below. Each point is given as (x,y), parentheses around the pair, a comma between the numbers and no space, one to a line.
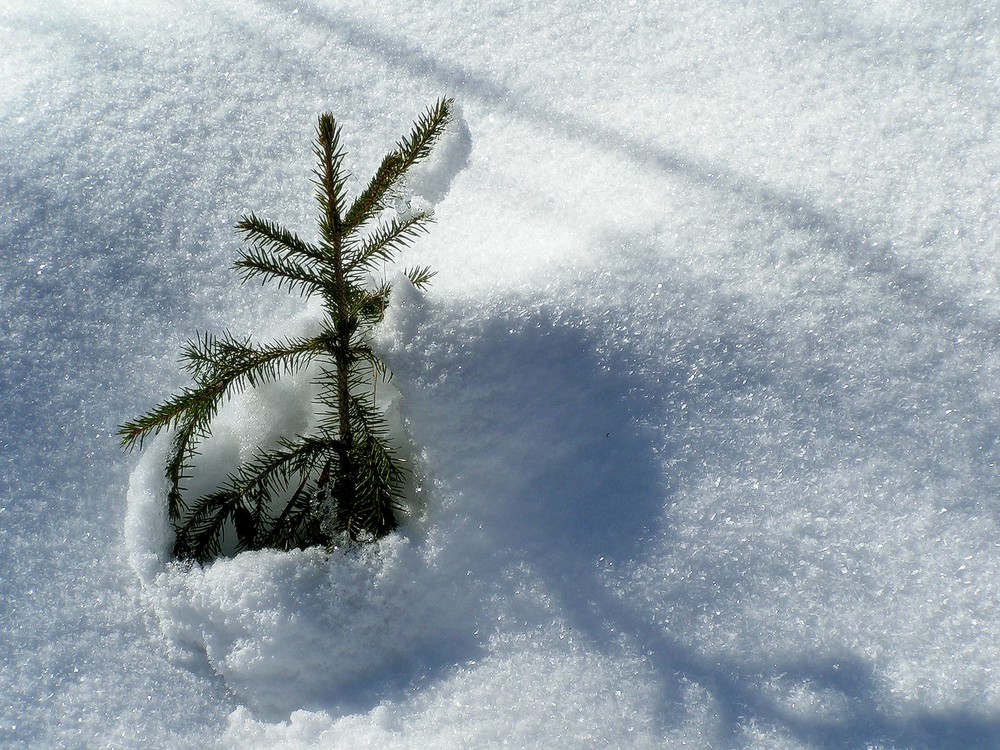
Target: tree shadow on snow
(565,473)
(558,472)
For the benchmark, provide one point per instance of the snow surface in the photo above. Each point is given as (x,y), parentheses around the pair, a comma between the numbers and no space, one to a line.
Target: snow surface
(703,399)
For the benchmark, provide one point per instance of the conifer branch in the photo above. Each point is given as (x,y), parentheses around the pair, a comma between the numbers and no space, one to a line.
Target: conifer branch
(237,364)
(377,196)
(378,491)
(368,305)
(182,450)
(330,180)
(267,235)
(167,415)
(298,525)
(344,477)
(415,147)
(201,536)
(382,244)
(257,262)
(222,367)
(427,130)
(268,472)
(248,492)
(420,276)
(378,369)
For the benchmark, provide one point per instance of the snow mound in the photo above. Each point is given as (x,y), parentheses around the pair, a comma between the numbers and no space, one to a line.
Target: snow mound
(430,180)
(290,630)
(306,629)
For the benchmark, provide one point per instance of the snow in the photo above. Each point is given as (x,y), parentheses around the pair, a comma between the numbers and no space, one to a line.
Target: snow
(703,399)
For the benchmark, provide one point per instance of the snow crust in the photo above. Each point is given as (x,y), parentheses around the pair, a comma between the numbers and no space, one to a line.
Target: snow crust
(703,398)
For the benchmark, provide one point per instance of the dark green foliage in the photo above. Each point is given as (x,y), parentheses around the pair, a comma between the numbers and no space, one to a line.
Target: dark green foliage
(344,480)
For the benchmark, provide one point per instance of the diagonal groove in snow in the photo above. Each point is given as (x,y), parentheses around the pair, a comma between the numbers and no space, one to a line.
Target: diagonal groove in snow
(855,243)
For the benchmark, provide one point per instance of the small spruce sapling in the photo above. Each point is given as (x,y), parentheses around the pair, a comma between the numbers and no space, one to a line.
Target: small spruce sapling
(344,479)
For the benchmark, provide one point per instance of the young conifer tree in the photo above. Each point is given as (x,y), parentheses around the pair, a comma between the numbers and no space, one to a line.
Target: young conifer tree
(344,479)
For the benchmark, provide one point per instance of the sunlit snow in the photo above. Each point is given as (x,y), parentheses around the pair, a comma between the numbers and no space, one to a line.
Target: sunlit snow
(703,401)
